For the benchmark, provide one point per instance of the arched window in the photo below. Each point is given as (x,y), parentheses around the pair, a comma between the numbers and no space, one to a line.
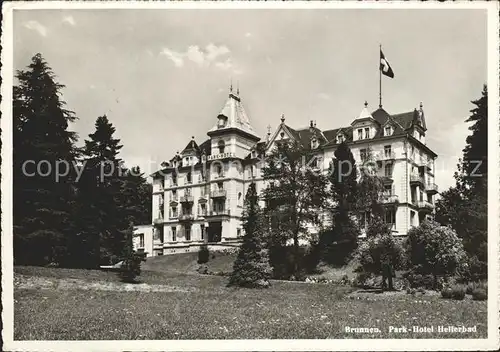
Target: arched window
(221,146)
(240,198)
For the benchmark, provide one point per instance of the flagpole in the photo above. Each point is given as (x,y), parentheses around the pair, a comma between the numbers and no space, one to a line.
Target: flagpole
(379,79)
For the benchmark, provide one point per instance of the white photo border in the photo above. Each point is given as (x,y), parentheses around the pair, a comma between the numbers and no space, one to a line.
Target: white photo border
(490,343)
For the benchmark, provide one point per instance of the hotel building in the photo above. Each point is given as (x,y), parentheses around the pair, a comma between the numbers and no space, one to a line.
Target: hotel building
(198,195)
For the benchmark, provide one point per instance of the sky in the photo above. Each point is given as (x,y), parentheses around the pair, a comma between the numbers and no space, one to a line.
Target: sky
(162,76)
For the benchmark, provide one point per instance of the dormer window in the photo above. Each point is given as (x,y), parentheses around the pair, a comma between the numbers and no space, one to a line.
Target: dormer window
(282,134)
(203,158)
(367,132)
(314,143)
(360,133)
(388,131)
(254,154)
(340,138)
(222,121)
(221,145)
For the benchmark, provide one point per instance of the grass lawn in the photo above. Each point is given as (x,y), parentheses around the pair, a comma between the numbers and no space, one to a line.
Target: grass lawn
(212,311)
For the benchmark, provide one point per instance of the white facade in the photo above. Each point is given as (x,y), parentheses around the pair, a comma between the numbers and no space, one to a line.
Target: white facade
(198,197)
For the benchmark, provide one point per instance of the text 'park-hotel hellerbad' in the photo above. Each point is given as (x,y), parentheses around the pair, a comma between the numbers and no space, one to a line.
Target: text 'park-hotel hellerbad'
(198,196)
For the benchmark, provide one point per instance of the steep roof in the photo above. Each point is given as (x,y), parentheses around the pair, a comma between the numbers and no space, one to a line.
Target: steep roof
(191,147)
(236,116)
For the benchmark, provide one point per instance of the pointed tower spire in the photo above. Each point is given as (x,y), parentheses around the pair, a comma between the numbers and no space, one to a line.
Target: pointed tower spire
(233,115)
(237,87)
(282,118)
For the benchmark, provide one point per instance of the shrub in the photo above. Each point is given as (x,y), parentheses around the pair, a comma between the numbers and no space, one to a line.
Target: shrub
(381,255)
(131,267)
(479,294)
(203,255)
(446,292)
(419,280)
(458,292)
(436,250)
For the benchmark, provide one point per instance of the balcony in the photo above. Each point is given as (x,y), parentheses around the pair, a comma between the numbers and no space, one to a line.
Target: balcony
(416,180)
(188,198)
(424,205)
(389,199)
(174,199)
(186,217)
(219,212)
(218,193)
(431,188)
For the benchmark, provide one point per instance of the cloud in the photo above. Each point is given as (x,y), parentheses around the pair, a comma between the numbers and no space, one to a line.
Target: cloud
(211,55)
(69,20)
(228,65)
(324,96)
(36,26)
(175,57)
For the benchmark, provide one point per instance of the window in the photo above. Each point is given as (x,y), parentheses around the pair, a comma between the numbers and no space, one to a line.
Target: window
(421,195)
(363,154)
(360,133)
(221,122)
(388,170)
(314,143)
(220,186)
(188,233)
(174,194)
(219,171)
(174,234)
(189,178)
(282,134)
(173,212)
(238,232)
(141,240)
(240,201)
(221,145)
(387,131)
(388,190)
(203,209)
(340,138)
(174,180)
(412,218)
(367,132)
(387,151)
(202,231)
(390,217)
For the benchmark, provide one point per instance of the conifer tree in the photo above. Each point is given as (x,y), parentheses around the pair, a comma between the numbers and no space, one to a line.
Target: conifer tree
(465,206)
(340,239)
(43,198)
(251,268)
(102,218)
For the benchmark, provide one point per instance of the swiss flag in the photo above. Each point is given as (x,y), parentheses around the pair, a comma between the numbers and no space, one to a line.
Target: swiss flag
(385,67)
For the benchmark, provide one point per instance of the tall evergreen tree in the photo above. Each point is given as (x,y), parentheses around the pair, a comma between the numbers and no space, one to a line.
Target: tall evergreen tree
(465,206)
(251,267)
(103,222)
(295,196)
(42,198)
(475,160)
(136,196)
(339,241)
